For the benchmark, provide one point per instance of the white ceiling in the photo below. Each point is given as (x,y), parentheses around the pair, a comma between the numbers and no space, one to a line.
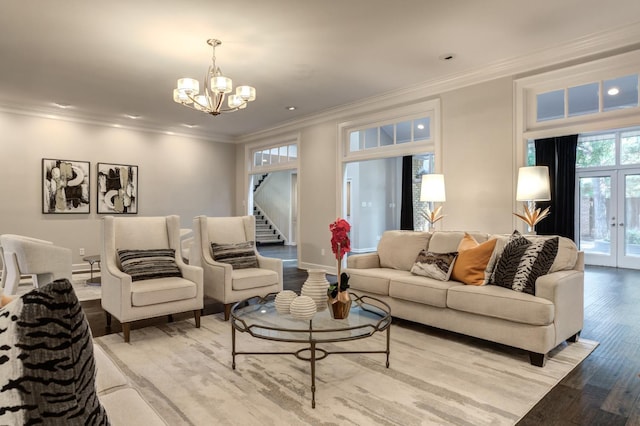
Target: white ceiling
(111,58)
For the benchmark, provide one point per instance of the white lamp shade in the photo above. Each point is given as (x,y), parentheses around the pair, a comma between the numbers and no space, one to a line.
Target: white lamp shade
(180,97)
(533,184)
(432,188)
(247,93)
(221,84)
(189,86)
(234,101)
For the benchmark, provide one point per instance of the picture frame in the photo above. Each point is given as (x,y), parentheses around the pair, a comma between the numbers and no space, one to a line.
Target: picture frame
(66,186)
(117,188)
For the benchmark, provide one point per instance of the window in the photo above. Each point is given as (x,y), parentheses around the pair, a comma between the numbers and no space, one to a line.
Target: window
(387,135)
(599,149)
(617,93)
(276,157)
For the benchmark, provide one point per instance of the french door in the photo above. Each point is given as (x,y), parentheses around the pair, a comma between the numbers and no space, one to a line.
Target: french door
(608,217)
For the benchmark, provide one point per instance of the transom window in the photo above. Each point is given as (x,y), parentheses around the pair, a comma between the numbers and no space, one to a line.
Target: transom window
(606,149)
(590,98)
(285,155)
(390,134)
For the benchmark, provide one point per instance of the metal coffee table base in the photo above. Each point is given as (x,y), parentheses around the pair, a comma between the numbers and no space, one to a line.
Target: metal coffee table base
(312,353)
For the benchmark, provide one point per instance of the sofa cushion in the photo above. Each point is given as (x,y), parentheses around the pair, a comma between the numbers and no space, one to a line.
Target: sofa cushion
(374,280)
(448,241)
(238,255)
(243,279)
(162,290)
(434,265)
(47,368)
(428,291)
(499,302)
(149,264)
(398,249)
(472,260)
(523,261)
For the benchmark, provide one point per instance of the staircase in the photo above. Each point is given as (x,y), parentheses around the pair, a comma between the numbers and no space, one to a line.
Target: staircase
(265,232)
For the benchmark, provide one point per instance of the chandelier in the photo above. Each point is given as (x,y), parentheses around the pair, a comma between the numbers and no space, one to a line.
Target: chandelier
(216,88)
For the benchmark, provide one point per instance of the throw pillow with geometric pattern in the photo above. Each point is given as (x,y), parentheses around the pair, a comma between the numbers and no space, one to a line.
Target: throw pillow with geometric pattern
(523,261)
(434,265)
(47,369)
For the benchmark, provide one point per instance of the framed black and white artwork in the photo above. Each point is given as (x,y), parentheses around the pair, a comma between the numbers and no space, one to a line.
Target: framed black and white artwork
(65,186)
(117,188)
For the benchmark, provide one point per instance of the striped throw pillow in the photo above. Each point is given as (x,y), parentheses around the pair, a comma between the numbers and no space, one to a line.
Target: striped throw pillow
(149,264)
(47,368)
(238,255)
(523,261)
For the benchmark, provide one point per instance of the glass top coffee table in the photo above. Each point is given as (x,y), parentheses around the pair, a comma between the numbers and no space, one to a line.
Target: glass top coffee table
(258,317)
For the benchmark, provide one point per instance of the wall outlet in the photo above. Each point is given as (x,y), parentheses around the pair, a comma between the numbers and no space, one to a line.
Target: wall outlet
(322,252)
(81,252)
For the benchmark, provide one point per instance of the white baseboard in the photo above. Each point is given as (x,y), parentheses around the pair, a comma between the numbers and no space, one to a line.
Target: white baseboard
(332,270)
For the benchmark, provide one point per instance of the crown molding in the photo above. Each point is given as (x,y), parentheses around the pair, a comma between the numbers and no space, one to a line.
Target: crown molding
(51,114)
(581,49)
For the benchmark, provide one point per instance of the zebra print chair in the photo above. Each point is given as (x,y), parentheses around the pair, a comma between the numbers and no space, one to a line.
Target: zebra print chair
(143,273)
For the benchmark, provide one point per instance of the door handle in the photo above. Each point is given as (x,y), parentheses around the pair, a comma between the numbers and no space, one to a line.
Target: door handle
(621,224)
(613,225)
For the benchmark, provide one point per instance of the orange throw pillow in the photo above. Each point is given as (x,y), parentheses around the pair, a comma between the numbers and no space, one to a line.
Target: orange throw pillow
(472,260)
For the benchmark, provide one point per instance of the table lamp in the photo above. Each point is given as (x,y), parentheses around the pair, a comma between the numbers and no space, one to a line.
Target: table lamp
(533,185)
(432,191)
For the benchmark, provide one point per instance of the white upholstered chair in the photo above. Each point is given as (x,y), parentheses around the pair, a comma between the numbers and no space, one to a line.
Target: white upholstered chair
(221,281)
(41,259)
(131,300)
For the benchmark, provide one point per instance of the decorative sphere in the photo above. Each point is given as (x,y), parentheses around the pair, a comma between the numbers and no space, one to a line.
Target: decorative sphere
(303,308)
(283,301)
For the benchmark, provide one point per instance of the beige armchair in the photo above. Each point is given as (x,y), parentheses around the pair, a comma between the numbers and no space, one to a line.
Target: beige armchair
(41,259)
(221,281)
(144,295)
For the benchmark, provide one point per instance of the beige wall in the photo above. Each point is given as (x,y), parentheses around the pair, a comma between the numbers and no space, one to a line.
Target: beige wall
(478,157)
(478,163)
(177,175)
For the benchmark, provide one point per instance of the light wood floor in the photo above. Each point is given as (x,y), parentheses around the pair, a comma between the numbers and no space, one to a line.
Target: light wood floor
(603,390)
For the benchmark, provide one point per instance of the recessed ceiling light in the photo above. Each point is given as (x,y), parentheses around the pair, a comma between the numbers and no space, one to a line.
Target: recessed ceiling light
(190,126)
(447,57)
(62,105)
(291,108)
(132,116)
(613,91)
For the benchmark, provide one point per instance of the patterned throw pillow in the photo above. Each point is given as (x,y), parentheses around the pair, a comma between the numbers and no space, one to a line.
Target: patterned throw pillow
(47,368)
(238,255)
(523,261)
(149,264)
(434,265)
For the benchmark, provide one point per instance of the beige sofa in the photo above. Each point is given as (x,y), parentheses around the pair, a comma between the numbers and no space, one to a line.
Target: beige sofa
(536,323)
(123,404)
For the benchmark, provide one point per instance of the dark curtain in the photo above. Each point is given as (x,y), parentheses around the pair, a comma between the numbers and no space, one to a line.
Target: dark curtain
(406,203)
(559,154)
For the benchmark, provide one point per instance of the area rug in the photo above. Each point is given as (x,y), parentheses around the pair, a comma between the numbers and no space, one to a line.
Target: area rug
(83,290)
(434,378)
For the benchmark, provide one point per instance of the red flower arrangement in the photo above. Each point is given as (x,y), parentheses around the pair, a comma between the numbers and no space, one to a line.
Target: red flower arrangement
(340,243)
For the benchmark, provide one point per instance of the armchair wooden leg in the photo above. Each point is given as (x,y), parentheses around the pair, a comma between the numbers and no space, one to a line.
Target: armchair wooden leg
(170,318)
(227,311)
(574,338)
(126,331)
(108,319)
(196,316)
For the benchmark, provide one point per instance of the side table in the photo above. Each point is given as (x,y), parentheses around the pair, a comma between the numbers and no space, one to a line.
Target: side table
(93,259)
